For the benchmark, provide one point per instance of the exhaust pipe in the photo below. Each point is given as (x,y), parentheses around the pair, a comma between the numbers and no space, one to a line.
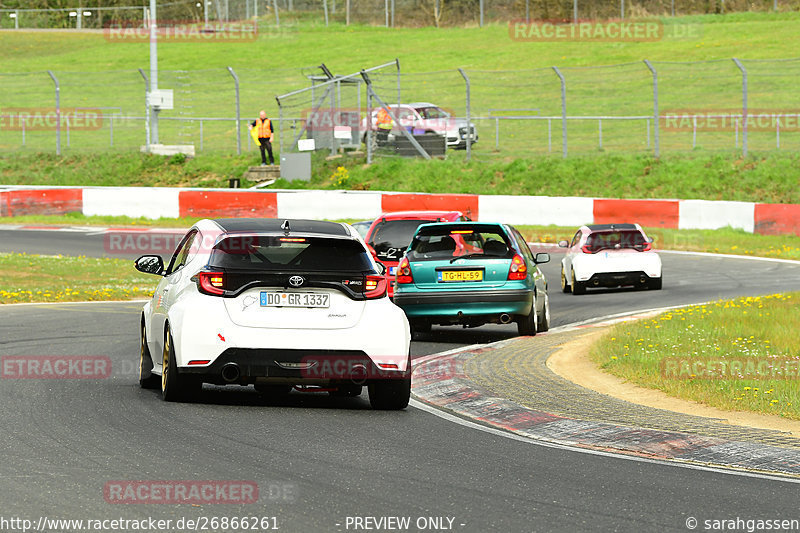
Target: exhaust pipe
(358,374)
(505,318)
(230,372)
(642,280)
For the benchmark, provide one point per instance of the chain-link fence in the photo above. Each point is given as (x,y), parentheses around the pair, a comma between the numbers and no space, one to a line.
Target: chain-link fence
(645,107)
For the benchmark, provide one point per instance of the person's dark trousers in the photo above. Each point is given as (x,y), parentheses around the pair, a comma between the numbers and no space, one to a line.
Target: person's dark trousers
(266,145)
(382,137)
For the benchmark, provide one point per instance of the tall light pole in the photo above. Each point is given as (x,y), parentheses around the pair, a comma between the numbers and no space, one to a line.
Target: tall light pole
(153,71)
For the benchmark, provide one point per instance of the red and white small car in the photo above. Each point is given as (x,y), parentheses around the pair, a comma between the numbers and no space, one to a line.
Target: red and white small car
(391,233)
(609,255)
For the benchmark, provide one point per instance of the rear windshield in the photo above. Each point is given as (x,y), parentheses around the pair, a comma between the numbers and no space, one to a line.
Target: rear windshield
(615,240)
(295,253)
(447,242)
(391,237)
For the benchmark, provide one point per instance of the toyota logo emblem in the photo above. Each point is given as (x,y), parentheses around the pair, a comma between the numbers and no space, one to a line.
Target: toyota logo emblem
(296,281)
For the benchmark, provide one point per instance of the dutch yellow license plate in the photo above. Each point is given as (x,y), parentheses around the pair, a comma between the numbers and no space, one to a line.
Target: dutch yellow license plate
(460,275)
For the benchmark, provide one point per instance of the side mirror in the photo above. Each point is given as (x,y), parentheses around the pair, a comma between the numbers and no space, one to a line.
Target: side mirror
(541,258)
(563,244)
(150,264)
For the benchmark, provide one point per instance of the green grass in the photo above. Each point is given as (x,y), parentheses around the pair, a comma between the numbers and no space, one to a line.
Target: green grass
(758,333)
(772,178)
(505,74)
(37,278)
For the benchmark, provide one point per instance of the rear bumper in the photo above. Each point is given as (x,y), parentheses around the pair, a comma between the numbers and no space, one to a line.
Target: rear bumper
(297,367)
(616,279)
(466,302)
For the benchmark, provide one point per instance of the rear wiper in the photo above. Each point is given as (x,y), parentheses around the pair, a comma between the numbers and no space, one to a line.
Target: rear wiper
(468,256)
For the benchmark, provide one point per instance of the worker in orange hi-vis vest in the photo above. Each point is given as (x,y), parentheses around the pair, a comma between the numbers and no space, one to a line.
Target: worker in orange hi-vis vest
(384,123)
(263,126)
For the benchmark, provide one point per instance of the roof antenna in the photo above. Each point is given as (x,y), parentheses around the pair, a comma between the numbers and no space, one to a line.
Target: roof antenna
(285,226)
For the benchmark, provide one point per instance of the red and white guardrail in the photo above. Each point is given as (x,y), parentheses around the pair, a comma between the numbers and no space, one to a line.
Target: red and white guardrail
(156,202)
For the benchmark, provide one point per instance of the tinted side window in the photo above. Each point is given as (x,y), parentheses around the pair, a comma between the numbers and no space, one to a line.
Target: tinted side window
(182,252)
(523,246)
(576,239)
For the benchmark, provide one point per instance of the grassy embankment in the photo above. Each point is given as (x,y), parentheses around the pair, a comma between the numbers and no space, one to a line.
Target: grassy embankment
(738,354)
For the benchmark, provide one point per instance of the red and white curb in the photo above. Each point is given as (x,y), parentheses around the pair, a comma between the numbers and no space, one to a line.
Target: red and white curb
(441,387)
(167,202)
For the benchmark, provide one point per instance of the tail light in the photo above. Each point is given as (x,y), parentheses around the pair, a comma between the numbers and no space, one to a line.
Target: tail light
(211,283)
(375,287)
(404,272)
(518,268)
(646,247)
(587,249)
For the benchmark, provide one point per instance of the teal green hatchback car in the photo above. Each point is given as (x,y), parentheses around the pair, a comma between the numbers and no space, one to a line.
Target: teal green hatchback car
(470,274)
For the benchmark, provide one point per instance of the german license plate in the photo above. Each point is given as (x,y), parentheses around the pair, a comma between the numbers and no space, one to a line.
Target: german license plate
(294,299)
(460,275)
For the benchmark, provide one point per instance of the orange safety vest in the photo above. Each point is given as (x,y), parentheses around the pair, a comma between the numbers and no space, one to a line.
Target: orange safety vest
(264,130)
(384,119)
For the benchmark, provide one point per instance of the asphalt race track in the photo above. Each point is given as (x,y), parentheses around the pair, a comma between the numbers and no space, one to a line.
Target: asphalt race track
(318,460)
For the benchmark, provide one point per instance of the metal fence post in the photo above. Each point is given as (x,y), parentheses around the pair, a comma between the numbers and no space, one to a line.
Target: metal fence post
(58,112)
(238,114)
(280,123)
(481,6)
(574,11)
(397,62)
(277,16)
(111,130)
(368,135)
(655,106)
(744,105)
(469,124)
(563,110)
(622,9)
(146,109)
(325,7)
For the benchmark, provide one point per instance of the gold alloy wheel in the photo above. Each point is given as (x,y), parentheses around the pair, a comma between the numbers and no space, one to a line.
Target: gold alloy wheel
(165,363)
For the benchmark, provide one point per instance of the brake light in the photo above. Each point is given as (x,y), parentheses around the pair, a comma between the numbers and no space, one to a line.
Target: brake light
(587,249)
(518,268)
(646,247)
(211,283)
(404,272)
(375,287)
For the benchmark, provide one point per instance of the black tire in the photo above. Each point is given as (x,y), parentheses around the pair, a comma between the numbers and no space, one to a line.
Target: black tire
(578,287)
(528,324)
(565,288)
(147,380)
(273,391)
(544,317)
(655,284)
(390,394)
(174,387)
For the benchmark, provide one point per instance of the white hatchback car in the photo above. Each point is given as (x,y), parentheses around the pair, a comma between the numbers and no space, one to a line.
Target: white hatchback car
(609,255)
(276,304)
